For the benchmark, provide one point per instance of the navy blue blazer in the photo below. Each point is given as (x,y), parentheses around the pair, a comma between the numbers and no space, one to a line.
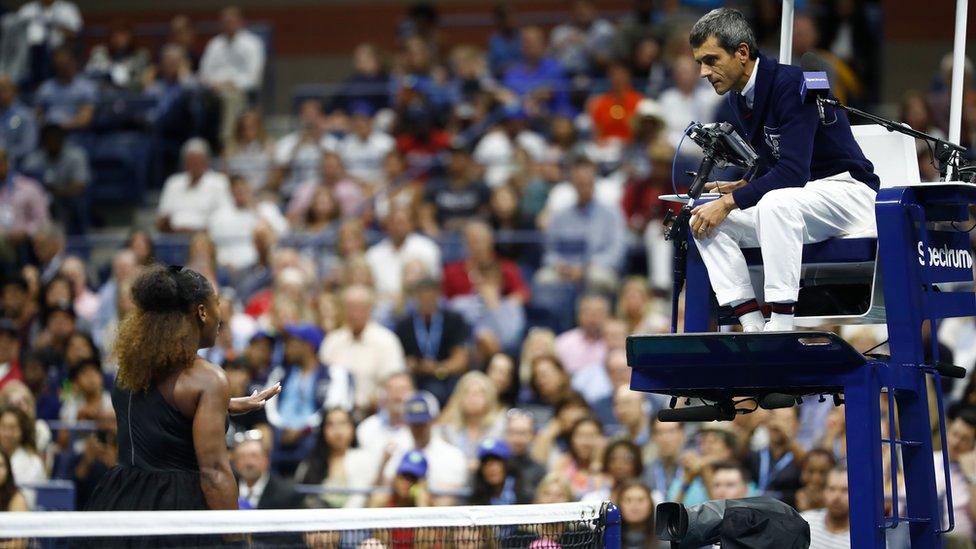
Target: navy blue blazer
(793,145)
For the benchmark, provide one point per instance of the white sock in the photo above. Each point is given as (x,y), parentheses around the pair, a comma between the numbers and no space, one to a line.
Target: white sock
(780,322)
(752,321)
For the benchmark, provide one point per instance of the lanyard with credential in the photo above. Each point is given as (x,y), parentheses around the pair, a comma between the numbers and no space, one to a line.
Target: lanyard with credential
(765,476)
(661,477)
(429,340)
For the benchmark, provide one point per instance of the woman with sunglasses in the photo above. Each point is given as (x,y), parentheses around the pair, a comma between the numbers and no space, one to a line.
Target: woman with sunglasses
(171,405)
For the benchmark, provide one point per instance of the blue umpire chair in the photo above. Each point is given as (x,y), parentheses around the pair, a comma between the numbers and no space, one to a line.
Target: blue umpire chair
(914,269)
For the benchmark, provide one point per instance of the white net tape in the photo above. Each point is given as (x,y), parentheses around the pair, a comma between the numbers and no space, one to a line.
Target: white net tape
(170,523)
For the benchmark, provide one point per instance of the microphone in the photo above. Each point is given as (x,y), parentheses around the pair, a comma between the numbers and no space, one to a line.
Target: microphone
(773,401)
(815,87)
(714,412)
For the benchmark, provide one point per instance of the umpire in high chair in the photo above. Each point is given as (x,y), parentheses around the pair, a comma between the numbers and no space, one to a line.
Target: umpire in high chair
(813,181)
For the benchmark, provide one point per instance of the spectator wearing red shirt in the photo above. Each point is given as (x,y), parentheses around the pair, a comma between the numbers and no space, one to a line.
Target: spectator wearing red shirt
(9,351)
(481,251)
(612,111)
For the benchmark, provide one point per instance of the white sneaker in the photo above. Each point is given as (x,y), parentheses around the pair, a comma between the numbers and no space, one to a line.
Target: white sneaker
(774,326)
(754,328)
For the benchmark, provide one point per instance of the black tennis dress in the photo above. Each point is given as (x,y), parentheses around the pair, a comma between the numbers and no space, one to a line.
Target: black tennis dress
(157,467)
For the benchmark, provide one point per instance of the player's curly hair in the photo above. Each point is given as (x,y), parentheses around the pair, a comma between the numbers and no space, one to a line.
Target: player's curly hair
(160,337)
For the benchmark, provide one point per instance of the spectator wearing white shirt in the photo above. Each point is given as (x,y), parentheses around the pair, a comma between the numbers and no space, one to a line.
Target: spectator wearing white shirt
(496,150)
(190,198)
(830,527)
(52,22)
(232,227)
(297,156)
(387,425)
(448,469)
(233,66)
(387,257)
(689,100)
(370,351)
(364,149)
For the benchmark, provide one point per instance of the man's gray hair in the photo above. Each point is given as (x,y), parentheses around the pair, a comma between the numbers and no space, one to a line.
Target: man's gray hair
(729,27)
(195,145)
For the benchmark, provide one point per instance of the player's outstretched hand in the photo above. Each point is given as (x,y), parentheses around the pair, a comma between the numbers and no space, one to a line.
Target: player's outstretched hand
(256,400)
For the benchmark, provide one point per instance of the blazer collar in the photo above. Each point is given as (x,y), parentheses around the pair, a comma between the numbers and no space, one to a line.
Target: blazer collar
(764,84)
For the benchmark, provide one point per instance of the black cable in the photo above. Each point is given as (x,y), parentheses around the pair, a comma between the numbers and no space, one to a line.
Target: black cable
(875,347)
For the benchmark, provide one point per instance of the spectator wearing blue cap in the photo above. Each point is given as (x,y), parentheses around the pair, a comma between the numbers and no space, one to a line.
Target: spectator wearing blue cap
(307,386)
(448,469)
(364,149)
(496,482)
(409,484)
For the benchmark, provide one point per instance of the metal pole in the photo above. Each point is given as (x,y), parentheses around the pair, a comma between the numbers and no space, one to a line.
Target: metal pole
(958,67)
(786,33)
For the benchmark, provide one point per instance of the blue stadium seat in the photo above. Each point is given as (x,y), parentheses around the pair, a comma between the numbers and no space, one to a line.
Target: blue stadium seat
(119,164)
(55,495)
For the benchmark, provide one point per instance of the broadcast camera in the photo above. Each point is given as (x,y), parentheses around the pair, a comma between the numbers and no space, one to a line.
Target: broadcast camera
(723,144)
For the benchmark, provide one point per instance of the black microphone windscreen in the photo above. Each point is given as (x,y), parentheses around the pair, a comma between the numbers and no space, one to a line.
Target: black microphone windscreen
(811,62)
(695,413)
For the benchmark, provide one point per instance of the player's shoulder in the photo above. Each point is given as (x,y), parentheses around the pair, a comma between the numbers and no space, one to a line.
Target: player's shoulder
(207,375)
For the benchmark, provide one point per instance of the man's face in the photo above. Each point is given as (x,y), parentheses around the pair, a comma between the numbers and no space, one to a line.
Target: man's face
(961,438)
(724,70)
(7,91)
(713,445)
(61,325)
(728,484)
(295,351)
(669,438)
(14,298)
(398,225)
(835,495)
(9,347)
(617,369)
(584,181)
(231,21)
(533,44)
(398,390)
(782,425)
(518,434)
(592,314)
(815,470)
(64,63)
(627,406)
(250,461)
(241,191)
(196,163)
(258,353)
(357,311)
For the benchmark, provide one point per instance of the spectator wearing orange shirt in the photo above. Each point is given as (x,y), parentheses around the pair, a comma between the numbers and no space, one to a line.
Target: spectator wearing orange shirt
(612,111)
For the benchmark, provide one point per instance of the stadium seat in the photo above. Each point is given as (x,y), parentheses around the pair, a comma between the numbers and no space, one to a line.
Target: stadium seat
(119,164)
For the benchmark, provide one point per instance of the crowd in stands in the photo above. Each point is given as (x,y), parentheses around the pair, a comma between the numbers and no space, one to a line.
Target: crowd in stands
(440,263)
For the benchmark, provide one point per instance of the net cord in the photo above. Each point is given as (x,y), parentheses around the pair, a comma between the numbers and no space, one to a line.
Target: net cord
(167,523)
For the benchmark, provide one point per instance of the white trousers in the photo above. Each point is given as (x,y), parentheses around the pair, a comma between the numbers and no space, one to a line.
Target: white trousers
(780,224)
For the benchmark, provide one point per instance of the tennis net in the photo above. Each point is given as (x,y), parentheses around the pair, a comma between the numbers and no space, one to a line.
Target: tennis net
(563,525)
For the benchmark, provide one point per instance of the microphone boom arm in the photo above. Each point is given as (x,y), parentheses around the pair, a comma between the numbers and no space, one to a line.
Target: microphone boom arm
(945,151)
